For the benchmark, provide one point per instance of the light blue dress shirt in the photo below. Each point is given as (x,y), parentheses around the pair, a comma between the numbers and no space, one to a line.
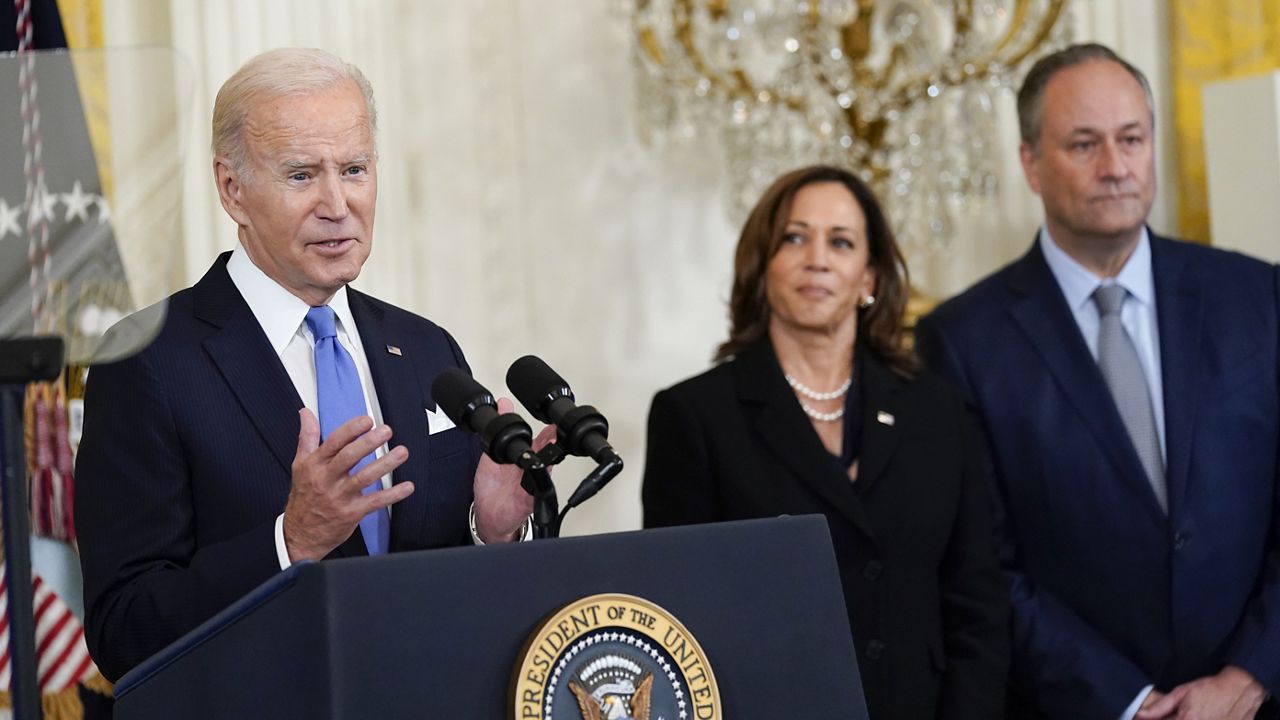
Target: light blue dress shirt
(1138,315)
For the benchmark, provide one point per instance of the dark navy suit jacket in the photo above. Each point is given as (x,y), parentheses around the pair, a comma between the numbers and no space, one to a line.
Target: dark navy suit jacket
(185,464)
(1109,594)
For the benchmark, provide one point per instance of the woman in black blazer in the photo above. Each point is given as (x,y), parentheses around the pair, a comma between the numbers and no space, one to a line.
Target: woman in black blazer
(816,407)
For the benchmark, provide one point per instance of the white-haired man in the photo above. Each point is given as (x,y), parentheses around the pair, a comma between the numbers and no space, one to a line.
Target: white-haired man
(256,430)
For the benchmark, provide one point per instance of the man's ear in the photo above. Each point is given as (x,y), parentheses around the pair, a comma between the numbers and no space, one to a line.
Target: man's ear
(230,189)
(1030,158)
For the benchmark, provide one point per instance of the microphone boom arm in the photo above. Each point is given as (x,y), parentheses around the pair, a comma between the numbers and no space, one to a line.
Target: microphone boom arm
(546,506)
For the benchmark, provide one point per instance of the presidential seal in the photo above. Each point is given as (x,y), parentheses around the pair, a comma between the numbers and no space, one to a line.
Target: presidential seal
(613,657)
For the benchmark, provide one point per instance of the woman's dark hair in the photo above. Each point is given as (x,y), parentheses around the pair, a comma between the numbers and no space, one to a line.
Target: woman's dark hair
(879,326)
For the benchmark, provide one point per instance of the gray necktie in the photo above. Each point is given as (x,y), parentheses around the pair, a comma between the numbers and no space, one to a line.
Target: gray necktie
(1118,360)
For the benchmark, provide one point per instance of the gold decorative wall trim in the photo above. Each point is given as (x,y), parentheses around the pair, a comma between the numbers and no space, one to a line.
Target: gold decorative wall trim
(83,25)
(1212,40)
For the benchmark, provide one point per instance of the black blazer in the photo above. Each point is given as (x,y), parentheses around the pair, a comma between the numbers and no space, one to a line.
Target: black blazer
(913,537)
(185,464)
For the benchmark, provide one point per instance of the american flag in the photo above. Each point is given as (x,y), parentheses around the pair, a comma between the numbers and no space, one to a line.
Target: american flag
(62,658)
(51,280)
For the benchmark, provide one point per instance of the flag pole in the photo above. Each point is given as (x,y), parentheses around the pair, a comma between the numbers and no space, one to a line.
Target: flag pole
(21,361)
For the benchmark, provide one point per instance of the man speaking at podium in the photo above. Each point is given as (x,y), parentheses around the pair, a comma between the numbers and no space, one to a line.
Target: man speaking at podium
(278,416)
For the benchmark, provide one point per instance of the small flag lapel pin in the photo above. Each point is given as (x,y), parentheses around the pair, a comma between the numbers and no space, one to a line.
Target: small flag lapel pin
(394,350)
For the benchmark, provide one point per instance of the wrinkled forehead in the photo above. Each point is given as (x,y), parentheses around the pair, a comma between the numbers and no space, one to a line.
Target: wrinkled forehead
(329,121)
(1097,95)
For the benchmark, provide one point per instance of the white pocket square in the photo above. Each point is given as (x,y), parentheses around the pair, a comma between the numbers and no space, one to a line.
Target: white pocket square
(437,421)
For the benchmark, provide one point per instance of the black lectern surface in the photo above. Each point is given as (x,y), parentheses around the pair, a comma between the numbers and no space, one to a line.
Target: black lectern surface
(437,634)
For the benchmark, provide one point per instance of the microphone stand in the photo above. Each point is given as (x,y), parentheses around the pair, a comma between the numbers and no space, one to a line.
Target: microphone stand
(21,361)
(547,515)
(537,482)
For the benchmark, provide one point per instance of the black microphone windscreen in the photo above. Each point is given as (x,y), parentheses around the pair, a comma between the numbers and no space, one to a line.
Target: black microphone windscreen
(535,384)
(453,390)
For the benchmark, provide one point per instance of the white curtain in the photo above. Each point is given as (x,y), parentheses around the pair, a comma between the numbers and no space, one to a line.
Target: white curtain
(517,207)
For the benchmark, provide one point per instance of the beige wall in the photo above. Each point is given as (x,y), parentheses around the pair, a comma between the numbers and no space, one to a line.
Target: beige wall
(1242,149)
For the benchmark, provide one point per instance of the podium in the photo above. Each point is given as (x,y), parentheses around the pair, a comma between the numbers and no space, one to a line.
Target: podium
(438,634)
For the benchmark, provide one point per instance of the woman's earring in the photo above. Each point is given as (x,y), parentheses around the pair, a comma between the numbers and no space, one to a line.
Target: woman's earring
(867,302)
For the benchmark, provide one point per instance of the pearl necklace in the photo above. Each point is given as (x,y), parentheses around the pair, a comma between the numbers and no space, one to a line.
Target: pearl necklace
(821,416)
(812,394)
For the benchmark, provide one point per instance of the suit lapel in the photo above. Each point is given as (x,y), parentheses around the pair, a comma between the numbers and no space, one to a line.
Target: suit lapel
(248,363)
(1180,320)
(786,431)
(881,432)
(1042,314)
(402,402)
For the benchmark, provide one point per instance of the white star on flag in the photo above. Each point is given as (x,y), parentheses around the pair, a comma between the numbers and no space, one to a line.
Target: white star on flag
(9,219)
(104,212)
(77,202)
(41,206)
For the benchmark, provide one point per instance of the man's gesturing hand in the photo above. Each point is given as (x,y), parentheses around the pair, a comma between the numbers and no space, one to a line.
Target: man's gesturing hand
(501,504)
(325,501)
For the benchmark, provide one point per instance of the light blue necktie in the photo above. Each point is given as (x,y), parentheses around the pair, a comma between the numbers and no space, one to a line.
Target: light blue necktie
(340,398)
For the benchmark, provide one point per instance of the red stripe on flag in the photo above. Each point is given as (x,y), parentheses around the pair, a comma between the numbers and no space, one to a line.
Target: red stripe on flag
(62,657)
(82,670)
(78,661)
(54,632)
(43,607)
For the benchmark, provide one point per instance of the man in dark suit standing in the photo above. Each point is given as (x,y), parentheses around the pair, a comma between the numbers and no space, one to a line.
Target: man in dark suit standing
(1128,388)
(256,430)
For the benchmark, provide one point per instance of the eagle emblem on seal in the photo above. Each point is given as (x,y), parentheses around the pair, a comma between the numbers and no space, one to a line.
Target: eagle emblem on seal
(613,688)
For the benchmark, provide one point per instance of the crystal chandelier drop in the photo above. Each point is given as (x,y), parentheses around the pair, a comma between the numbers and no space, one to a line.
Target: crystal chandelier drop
(901,91)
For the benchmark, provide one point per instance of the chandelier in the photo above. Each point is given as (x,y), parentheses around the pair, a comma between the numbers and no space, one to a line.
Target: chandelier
(901,91)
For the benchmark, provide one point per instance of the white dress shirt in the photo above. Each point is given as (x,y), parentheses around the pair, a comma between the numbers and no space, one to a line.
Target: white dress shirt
(282,316)
(1138,316)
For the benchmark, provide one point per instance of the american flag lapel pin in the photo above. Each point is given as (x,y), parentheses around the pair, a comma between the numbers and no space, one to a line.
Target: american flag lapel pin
(394,350)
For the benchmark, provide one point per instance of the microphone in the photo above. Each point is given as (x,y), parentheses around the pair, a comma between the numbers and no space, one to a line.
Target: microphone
(581,430)
(506,437)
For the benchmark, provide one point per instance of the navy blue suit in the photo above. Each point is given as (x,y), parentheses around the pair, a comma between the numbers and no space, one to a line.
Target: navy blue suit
(1109,594)
(185,464)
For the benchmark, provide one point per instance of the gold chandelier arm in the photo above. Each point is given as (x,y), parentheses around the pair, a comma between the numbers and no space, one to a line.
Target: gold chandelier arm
(855,43)
(682,19)
(1036,39)
(1020,9)
(982,67)
(650,46)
